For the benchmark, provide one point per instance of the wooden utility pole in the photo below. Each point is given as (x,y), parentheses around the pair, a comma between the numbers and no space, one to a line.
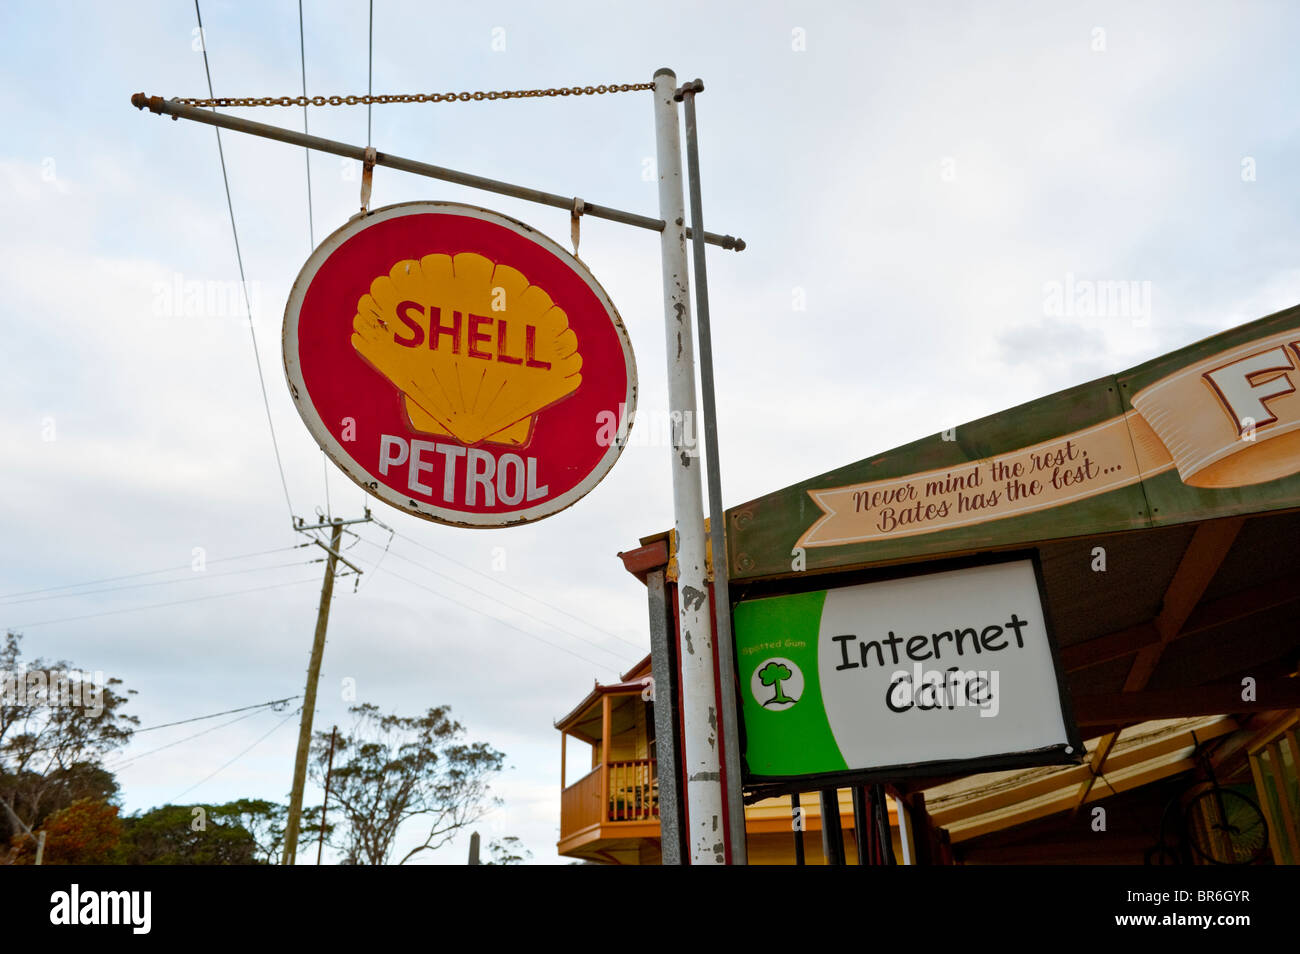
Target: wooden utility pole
(313,677)
(329,770)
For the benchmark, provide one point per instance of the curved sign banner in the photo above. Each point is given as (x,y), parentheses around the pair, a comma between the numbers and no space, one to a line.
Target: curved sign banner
(457,364)
(1228,421)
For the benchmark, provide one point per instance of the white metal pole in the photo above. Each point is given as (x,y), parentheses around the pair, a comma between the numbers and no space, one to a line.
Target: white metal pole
(703,773)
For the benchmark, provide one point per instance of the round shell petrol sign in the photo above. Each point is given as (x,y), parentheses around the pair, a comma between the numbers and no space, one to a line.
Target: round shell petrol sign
(458,364)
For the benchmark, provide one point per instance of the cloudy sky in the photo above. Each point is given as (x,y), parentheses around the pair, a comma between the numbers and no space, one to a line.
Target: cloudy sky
(913,181)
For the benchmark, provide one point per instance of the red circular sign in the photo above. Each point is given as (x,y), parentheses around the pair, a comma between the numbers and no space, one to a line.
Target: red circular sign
(458,364)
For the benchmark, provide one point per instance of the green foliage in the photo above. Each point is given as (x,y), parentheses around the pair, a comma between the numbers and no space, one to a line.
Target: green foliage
(263,820)
(395,769)
(508,851)
(247,831)
(177,835)
(86,832)
(50,754)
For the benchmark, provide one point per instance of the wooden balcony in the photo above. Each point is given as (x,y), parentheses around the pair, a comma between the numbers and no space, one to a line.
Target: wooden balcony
(611,814)
(614,801)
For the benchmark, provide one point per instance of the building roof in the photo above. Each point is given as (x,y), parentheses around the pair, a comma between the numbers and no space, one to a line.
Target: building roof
(630,681)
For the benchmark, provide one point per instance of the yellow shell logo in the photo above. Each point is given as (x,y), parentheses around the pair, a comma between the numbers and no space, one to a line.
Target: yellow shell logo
(475,349)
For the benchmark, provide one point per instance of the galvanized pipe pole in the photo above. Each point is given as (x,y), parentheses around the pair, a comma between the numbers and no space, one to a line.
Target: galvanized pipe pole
(668,732)
(796,822)
(309,700)
(863,821)
(717,515)
(832,826)
(883,833)
(702,769)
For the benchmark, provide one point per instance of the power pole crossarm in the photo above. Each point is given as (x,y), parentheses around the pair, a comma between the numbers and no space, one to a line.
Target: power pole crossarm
(333,551)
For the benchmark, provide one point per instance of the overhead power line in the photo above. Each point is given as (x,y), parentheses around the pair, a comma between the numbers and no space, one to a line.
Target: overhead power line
(302,55)
(132,576)
(370,72)
(207,778)
(311,219)
(195,577)
(451,599)
(214,715)
(130,760)
(127,759)
(378,563)
(133,609)
(524,612)
(514,589)
(243,281)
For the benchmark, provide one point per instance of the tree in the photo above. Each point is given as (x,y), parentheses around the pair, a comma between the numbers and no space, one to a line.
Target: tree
(55,791)
(773,674)
(56,725)
(186,835)
(394,769)
(248,831)
(508,851)
(265,821)
(87,832)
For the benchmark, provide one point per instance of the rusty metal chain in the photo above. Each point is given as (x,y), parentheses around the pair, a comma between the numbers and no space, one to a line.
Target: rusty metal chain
(229,101)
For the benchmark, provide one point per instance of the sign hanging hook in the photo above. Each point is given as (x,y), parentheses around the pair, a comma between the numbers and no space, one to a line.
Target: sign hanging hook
(367,177)
(579,207)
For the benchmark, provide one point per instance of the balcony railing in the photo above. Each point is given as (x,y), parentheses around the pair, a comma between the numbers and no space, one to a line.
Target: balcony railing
(633,789)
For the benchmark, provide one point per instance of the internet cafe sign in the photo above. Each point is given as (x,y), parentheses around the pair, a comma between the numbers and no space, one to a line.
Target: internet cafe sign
(910,675)
(455,363)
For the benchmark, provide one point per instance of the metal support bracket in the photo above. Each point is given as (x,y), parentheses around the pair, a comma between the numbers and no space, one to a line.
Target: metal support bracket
(367,176)
(575,218)
(694,86)
(213,117)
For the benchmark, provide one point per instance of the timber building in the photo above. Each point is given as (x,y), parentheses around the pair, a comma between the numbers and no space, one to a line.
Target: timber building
(1170,567)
